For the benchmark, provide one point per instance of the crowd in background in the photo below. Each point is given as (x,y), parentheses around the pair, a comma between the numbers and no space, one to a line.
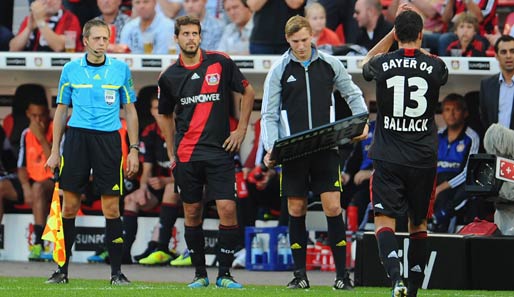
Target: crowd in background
(241,27)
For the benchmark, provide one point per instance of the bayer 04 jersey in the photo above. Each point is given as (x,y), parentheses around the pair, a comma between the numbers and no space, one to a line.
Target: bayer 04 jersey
(407,92)
(201,97)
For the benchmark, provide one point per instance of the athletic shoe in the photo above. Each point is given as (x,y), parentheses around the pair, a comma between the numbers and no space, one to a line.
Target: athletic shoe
(98,257)
(239,259)
(199,282)
(119,279)
(299,281)
(47,256)
(182,260)
(152,247)
(35,252)
(156,258)
(58,277)
(344,283)
(399,289)
(227,282)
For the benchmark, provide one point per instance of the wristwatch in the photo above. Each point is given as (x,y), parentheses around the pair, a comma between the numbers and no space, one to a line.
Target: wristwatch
(134,146)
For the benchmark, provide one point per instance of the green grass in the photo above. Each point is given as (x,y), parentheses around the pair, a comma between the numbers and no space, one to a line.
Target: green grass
(32,286)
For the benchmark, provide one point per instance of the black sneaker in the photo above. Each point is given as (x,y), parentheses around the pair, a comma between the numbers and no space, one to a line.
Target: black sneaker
(119,279)
(299,281)
(152,247)
(344,283)
(58,277)
(399,289)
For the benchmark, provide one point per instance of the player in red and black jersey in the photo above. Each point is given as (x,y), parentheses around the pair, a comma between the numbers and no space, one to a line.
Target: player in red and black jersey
(404,148)
(196,94)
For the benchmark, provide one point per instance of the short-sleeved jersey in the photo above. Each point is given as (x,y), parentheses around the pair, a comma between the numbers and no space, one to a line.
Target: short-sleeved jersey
(201,97)
(153,150)
(407,92)
(96,93)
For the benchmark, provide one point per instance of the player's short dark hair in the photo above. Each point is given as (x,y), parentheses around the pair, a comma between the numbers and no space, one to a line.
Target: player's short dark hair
(457,98)
(407,25)
(86,31)
(503,38)
(187,20)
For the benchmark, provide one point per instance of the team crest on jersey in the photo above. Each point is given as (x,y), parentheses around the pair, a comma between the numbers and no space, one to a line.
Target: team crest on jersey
(460,147)
(212,79)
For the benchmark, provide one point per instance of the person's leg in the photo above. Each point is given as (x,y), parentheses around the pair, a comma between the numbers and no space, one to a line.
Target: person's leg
(7,192)
(193,234)
(168,216)
(228,236)
(336,236)
(42,193)
(130,214)
(387,246)
(113,231)
(297,209)
(417,256)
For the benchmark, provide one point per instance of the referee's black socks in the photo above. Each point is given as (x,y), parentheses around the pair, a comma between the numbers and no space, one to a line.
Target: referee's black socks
(298,240)
(68,227)
(388,252)
(114,240)
(337,239)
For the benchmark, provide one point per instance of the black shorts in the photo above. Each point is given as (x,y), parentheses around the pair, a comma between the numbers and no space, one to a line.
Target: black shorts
(217,175)
(318,172)
(88,152)
(397,190)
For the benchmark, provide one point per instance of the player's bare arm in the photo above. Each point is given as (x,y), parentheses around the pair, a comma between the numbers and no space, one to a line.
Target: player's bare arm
(233,142)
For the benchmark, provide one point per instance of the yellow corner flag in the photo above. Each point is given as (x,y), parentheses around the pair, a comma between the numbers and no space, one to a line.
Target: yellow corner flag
(53,229)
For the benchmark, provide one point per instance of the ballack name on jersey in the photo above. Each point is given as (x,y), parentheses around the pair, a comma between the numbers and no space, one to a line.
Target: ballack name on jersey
(405,125)
(406,63)
(200,99)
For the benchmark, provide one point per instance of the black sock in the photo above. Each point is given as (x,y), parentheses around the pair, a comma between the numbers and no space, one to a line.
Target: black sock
(114,242)
(167,218)
(417,256)
(68,228)
(38,232)
(388,253)
(337,239)
(195,241)
(298,239)
(129,232)
(228,238)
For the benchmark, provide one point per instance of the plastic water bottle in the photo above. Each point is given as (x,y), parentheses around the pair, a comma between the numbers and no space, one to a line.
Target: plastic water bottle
(257,251)
(284,250)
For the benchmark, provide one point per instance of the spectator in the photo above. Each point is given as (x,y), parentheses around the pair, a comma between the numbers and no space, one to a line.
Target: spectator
(5,37)
(484,11)
(456,142)
(265,38)
(321,35)
(170,8)
(10,188)
(372,25)
(149,27)
(340,14)
(112,15)
(467,44)
(83,9)
(212,28)
(43,29)
(433,25)
(36,180)
(495,91)
(236,35)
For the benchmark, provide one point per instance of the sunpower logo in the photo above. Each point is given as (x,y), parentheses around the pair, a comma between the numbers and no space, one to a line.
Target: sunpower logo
(404,267)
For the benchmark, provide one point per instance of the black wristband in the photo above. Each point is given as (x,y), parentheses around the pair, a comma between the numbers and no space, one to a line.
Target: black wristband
(134,146)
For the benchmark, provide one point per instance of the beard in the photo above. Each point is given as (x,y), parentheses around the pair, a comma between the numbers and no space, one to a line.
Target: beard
(189,53)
